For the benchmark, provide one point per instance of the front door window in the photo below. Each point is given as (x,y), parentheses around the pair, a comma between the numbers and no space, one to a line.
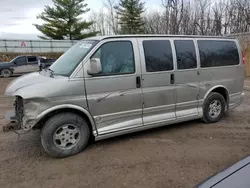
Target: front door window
(116,58)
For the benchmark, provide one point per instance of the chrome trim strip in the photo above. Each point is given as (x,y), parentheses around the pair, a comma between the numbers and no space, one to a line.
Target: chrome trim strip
(141,128)
(119,113)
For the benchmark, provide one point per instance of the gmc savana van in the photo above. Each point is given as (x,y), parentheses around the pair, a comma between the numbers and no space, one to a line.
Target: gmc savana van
(112,85)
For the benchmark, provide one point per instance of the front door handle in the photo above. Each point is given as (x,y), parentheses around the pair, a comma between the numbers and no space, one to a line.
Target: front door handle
(138,82)
(172,78)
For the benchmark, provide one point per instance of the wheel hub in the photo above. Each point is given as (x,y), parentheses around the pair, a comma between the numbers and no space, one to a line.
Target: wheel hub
(215,108)
(6,73)
(66,136)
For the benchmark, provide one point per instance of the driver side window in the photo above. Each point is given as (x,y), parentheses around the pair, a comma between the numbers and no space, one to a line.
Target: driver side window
(20,61)
(116,58)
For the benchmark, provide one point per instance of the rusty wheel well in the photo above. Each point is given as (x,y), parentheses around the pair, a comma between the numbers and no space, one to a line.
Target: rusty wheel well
(223,92)
(41,123)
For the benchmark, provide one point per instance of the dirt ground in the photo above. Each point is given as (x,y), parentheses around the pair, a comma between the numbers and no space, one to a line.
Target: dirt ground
(181,155)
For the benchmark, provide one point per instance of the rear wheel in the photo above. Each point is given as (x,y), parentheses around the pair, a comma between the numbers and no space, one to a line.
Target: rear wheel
(64,135)
(214,108)
(6,73)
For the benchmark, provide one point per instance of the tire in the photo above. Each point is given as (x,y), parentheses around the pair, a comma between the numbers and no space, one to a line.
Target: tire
(212,114)
(58,130)
(6,73)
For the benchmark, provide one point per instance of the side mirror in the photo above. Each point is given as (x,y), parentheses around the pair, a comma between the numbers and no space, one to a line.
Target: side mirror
(95,66)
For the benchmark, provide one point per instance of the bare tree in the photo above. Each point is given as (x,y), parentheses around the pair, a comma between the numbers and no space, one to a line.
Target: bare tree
(112,17)
(105,19)
(196,17)
(154,23)
(99,22)
(218,14)
(174,14)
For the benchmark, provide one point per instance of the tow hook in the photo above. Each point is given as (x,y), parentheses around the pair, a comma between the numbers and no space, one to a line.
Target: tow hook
(11,126)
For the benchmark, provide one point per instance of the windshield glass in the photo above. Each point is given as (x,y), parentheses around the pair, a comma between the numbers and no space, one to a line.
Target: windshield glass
(13,60)
(67,63)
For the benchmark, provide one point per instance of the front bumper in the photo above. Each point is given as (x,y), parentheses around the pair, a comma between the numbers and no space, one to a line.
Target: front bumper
(19,118)
(13,124)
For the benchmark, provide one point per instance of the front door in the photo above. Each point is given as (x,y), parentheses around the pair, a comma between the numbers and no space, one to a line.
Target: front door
(158,81)
(186,78)
(115,96)
(20,65)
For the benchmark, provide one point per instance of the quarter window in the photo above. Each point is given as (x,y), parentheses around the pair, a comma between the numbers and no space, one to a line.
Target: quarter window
(218,53)
(116,58)
(31,59)
(185,53)
(158,55)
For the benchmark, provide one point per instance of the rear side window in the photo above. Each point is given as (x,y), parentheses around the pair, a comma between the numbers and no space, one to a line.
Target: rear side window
(158,55)
(185,52)
(31,59)
(218,53)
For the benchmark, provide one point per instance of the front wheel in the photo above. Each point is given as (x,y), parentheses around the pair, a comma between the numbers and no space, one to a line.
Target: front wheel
(214,108)
(65,134)
(6,73)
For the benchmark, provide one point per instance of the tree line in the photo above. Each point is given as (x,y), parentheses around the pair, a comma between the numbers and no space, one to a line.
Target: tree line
(183,17)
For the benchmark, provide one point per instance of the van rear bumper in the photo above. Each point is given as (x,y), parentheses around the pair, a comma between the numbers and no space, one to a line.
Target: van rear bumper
(236,100)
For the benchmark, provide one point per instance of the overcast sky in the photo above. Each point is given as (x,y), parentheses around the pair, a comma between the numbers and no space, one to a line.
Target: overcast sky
(17,16)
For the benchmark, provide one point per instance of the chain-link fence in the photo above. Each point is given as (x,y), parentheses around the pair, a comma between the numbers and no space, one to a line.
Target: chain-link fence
(35,46)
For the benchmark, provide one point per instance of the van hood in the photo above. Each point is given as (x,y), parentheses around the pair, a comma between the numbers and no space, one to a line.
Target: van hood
(25,80)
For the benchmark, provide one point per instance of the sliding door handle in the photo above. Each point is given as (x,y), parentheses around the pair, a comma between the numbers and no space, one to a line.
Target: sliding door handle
(172,78)
(138,82)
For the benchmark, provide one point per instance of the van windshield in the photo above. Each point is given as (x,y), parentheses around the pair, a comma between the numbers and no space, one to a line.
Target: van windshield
(67,63)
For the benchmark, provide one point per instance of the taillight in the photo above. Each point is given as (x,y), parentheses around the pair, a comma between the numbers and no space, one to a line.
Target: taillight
(243,58)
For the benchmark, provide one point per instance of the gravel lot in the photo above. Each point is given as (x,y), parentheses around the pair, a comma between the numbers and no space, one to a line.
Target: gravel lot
(181,155)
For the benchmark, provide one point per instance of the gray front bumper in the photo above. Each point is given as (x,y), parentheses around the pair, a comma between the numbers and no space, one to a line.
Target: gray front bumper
(10,116)
(13,122)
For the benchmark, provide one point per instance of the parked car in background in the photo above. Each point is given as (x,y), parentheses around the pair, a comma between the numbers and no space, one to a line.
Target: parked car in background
(23,64)
(45,62)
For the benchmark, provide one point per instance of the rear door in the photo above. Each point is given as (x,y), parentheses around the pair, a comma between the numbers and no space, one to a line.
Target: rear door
(186,78)
(220,66)
(21,65)
(32,64)
(158,80)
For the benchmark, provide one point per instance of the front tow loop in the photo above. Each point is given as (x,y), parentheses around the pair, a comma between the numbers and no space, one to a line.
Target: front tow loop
(11,126)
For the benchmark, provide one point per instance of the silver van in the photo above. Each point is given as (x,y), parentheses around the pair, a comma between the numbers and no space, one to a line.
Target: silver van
(112,85)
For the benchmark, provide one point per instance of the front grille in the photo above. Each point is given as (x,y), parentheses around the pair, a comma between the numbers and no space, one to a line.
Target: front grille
(19,108)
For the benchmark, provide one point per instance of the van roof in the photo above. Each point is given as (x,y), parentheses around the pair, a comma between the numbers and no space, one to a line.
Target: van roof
(176,36)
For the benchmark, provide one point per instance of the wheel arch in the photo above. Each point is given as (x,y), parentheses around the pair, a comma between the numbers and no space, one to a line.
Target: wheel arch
(9,68)
(45,115)
(219,89)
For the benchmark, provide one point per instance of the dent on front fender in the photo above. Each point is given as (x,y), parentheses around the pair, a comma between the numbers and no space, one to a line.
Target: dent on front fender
(32,108)
(73,107)
(41,93)
(37,108)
